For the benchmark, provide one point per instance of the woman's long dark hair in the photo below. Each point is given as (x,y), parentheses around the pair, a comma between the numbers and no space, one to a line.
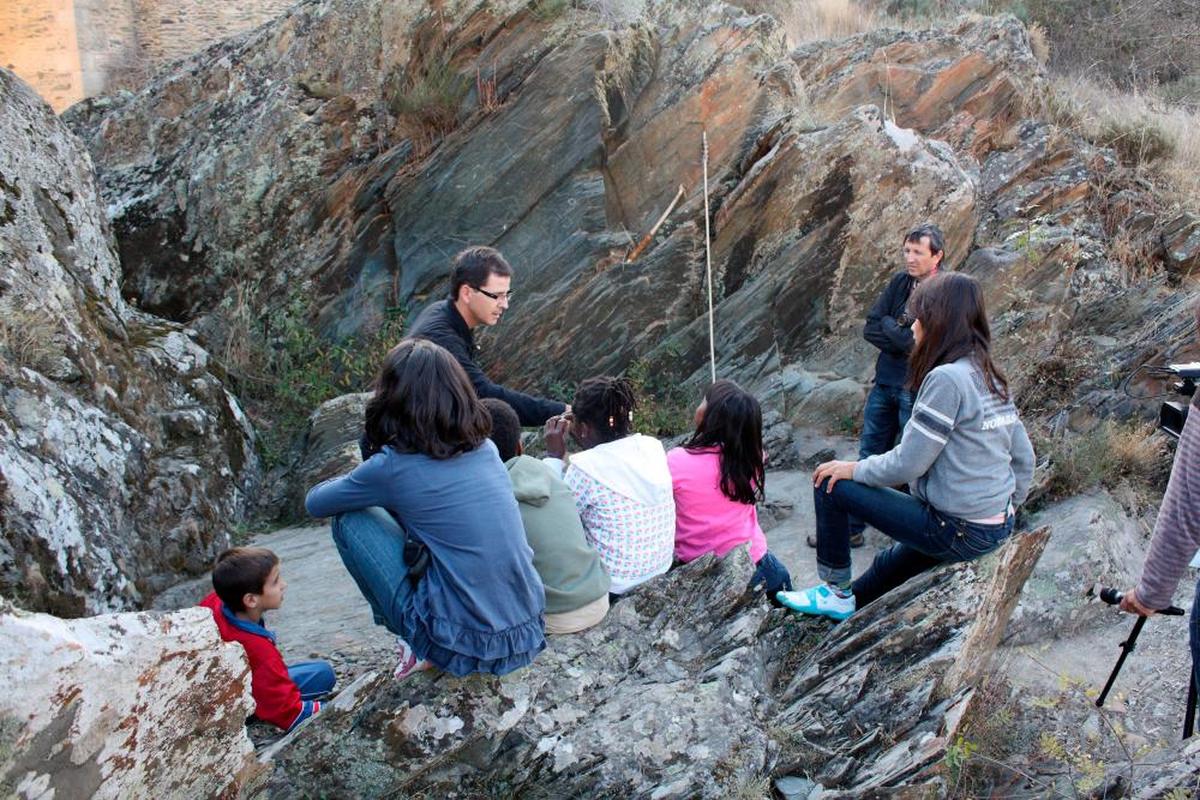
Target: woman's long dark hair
(733,422)
(424,403)
(606,404)
(953,325)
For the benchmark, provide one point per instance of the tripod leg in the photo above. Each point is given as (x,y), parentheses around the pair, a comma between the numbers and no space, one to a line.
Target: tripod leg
(1126,648)
(1189,718)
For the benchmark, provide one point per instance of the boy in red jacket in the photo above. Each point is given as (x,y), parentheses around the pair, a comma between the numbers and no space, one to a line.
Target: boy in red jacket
(247,583)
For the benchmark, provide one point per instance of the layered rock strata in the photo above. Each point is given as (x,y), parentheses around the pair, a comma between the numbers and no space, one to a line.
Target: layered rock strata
(124,461)
(691,687)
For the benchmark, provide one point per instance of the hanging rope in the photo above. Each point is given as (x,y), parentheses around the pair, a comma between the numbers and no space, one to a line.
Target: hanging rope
(712,343)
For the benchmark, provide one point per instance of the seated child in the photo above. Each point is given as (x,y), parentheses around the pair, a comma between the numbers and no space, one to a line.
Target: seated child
(574,576)
(718,476)
(428,526)
(246,581)
(620,480)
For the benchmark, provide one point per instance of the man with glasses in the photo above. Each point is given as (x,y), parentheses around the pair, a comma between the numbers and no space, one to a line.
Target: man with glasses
(479,295)
(889,404)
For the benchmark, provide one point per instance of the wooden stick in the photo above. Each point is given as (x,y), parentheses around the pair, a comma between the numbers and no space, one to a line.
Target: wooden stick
(712,344)
(645,242)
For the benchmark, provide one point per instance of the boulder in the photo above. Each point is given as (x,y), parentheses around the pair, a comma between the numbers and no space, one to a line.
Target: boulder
(330,446)
(691,687)
(123,458)
(1181,241)
(1095,542)
(132,705)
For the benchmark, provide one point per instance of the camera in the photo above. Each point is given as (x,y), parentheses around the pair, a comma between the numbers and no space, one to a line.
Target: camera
(1172,415)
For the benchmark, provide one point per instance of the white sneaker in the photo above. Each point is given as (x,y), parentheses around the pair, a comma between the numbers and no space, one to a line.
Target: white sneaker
(820,601)
(406,662)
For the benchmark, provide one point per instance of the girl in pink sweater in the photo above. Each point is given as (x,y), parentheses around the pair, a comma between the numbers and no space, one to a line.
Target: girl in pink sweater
(717,477)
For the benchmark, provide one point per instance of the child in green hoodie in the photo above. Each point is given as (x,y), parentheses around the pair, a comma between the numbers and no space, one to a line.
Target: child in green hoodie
(574,576)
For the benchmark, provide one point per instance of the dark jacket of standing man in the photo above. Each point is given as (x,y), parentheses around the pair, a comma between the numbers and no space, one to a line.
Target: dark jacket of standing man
(890,401)
(479,295)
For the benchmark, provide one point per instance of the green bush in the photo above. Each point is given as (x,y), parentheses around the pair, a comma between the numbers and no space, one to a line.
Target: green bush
(297,370)
(664,409)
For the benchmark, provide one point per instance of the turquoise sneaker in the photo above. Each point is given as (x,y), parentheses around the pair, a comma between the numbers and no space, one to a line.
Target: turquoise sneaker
(820,601)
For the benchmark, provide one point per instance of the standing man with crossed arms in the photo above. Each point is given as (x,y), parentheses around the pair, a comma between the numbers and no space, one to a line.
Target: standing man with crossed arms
(889,404)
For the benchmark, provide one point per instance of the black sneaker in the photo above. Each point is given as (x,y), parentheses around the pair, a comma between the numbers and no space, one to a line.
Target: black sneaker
(856,540)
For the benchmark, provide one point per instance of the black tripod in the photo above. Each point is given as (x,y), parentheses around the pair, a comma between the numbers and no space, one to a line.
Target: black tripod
(1113,597)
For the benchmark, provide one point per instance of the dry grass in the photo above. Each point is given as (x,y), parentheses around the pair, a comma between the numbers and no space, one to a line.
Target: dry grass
(1105,455)
(28,338)
(1144,130)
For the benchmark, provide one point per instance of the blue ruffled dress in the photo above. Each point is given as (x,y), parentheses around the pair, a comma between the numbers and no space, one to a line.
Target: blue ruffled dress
(479,607)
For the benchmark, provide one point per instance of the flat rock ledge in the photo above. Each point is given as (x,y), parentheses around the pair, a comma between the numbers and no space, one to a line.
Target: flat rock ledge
(692,687)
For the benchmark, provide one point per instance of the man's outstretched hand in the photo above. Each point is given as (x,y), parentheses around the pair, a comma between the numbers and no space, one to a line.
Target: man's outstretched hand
(555,431)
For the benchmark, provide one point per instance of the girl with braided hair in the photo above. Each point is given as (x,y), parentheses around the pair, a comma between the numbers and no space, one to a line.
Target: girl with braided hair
(620,481)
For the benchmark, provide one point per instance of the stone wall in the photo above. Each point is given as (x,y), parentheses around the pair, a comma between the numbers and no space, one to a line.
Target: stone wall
(172,29)
(38,42)
(72,49)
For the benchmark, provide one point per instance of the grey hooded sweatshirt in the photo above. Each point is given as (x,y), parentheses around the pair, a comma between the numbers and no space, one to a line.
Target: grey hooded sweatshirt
(571,570)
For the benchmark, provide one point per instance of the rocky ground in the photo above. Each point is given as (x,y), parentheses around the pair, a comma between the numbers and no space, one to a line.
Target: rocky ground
(1051,739)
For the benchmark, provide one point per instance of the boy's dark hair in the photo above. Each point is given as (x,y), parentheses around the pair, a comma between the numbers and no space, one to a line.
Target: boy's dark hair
(733,422)
(240,571)
(424,403)
(506,427)
(473,266)
(607,404)
(937,242)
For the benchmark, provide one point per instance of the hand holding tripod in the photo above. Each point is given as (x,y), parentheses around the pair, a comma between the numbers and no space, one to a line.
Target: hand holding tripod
(1113,597)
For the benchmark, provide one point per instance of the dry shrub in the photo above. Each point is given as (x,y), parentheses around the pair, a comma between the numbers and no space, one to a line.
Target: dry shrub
(1105,455)
(616,14)
(431,98)
(1039,43)
(816,20)
(28,338)
(1054,379)
(1144,130)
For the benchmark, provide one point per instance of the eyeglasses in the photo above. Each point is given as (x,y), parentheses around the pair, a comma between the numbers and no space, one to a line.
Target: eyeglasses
(495,295)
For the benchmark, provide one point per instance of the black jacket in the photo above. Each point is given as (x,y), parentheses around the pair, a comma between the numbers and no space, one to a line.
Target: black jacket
(894,341)
(442,324)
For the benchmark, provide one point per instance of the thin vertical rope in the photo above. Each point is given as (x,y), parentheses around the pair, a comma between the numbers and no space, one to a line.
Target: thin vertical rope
(712,342)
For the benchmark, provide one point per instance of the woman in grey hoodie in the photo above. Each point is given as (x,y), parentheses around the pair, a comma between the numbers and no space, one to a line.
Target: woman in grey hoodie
(964,454)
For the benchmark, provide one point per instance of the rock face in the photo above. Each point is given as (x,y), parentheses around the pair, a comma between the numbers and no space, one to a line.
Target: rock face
(122,706)
(123,459)
(296,160)
(691,687)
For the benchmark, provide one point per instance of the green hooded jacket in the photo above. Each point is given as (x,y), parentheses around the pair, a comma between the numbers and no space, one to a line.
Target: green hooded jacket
(571,570)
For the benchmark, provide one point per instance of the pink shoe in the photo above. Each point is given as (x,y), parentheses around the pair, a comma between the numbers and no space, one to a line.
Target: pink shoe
(407,662)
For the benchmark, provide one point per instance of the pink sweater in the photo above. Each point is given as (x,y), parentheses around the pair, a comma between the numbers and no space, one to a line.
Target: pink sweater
(706,521)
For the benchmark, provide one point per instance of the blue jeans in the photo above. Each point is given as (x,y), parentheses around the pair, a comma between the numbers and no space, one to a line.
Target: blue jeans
(314,679)
(924,536)
(371,544)
(884,417)
(1195,637)
(772,576)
